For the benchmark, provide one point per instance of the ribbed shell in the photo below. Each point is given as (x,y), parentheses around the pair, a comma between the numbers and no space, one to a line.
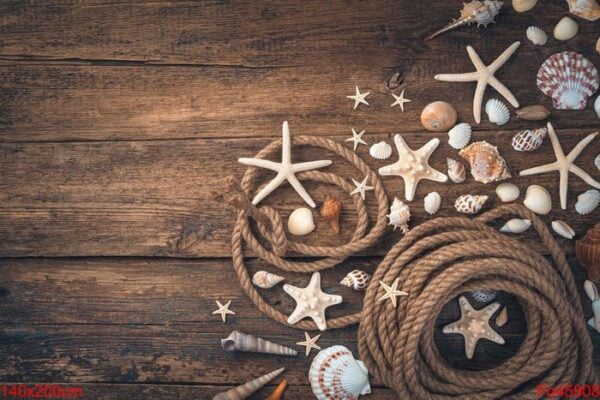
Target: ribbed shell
(536,35)
(266,280)
(587,201)
(529,139)
(497,112)
(483,295)
(470,204)
(432,202)
(239,341)
(456,170)
(459,136)
(357,280)
(380,150)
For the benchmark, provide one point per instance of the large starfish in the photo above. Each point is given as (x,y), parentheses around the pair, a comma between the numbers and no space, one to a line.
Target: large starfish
(413,165)
(564,165)
(286,171)
(484,75)
(474,325)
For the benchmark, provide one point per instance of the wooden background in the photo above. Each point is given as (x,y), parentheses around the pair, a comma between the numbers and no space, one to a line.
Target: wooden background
(118,120)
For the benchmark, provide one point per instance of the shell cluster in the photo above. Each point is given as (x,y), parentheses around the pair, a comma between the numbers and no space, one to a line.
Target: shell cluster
(357,280)
(587,201)
(470,204)
(432,202)
(380,150)
(456,170)
(399,215)
(529,139)
(459,136)
(486,163)
(497,112)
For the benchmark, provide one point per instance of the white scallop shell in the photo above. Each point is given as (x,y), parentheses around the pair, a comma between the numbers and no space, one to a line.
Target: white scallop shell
(380,150)
(432,202)
(483,295)
(399,215)
(536,35)
(538,200)
(356,279)
(470,204)
(335,374)
(497,112)
(266,280)
(563,229)
(597,102)
(516,225)
(507,192)
(456,170)
(301,222)
(529,139)
(459,136)
(587,201)
(566,29)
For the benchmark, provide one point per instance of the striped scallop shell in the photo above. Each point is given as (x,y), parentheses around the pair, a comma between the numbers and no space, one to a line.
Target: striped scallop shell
(497,112)
(587,201)
(536,35)
(470,204)
(529,139)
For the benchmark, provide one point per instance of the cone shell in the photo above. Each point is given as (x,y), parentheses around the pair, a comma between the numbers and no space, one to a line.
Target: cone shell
(470,204)
(399,215)
(266,280)
(587,201)
(459,136)
(335,374)
(432,202)
(523,5)
(507,192)
(536,35)
(516,225)
(586,9)
(357,280)
(239,341)
(456,170)
(538,200)
(483,295)
(244,391)
(529,139)
(486,163)
(381,150)
(536,112)
(497,112)
(587,250)
(331,211)
(563,229)
(438,116)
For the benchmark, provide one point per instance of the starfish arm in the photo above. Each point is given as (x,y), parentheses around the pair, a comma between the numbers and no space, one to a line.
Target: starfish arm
(307,166)
(580,146)
(558,151)
(427,150)
(504,57)
(410,187)
(503,90)
(295,316)
(464,304)
(271,186)
(470,344)
(490,310)
(286,144)
(540,169)
(400,144)
(490,334)
(466,77)
(259,162)
(478,100)
(585,176)
(475,59)
(388,170)
(563,188)
(451,328)
(436,175)
(300,190)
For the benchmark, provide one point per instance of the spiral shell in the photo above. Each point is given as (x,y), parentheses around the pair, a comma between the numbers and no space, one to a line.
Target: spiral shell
(529,139)
(536,35)
(483,295)
(563,229)
(244,391)
(380,150)
(487,165)
(516,225)
(239,341)
(476,11)
(587,201)
(587,250)
(497,112)
(456,170)
(357,280)
(399,215)
(438,116)
(432,202)
(459,136)
(470,204)
(266,280)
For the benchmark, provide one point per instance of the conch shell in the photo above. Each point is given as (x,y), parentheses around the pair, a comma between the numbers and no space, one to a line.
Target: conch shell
(331,212)
(266,280)
(238,341)
(587,250)
(481,12)
(486,163)
(244,391)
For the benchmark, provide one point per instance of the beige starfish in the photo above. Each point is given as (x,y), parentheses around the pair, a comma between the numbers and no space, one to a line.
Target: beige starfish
(309,343)
(223,310)
(361,187)
(474,325)
(484,75)
(564,165)
(359,98)
(357,138)
(391,292)
(400,100)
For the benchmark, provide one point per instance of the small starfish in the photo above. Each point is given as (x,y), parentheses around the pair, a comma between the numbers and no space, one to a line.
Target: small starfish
(564,165)
(361,187)
(474,325)
(223,310)
(356,138)
(285,170)
(391,292)
(484,75)
(359,98)
(413,165)
(309,343)
(400,100)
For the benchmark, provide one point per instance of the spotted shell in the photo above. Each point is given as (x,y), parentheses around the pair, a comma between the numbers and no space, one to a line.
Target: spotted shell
(456,170)
(357,280)
(497,112)
(529,139)
(486,163)
(587,201)
(470,204)
(459,136)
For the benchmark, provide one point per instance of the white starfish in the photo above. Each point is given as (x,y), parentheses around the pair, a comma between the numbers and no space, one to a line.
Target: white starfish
(223,310)
(484,75)
(400,100)
(413,165)
(474,325)
(309,343)
(564,165)
(286,171)
(359,98)
(356,138)
(391,292)
(361,187)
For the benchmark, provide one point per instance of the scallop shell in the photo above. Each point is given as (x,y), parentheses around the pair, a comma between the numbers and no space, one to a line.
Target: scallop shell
(529,139)
(483,295)
(523,5)
(357,280)
(536,35)
(456,170)
(516,225)
(507,192)
(538,200)
(459,136)
(569,79)
(301,222)
(335,374)
(586,9)
(244,391)
(497,112)
(566,29)
(399,215)
(438,116)
(563,229)
(380,150)
(587,201)
(432,202)
(266,280)
(470,204)
(239,341)
(487,165)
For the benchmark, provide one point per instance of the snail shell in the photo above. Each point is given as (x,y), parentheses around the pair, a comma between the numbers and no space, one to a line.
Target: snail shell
(266,280)
(470,204)
(331,211)
(357,280)
(239,341)
(438,116)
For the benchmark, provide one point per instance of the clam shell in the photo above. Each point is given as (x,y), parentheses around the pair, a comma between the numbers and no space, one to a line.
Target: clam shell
(516,225)
(266,280)
(399,215)
(301,222)
(483,295)
(533,113)
(357,280)
(470,204)
(239,341)
(507,192)
(432,202)
(587,201)
(586,9)
(487,165)
(380,150)
(536,35)
(497,112)
(244,391)
(456,170)
(529,139)
(566,29)
(438,116)
(523,5)
(538,200)
(459,136)
(563,229)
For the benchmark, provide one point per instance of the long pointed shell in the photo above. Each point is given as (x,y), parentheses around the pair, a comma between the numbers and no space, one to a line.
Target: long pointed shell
(563,229)
(239,341)
(516,225)
(459,136)
(357,280)
(529,139)
(244,391)
(481,12)
(536,35)
(432,202)
(587,201)
(470,204)
(266,280)
(456,170)
(497,112)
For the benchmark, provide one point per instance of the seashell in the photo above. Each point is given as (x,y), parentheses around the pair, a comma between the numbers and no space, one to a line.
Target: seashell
(516,225)
(569,78)
(597,102)
(481,12)
(538,200)
(357,280)
(597,161)
(597,51)
(438,116)
(456,170)
(239,341)
(470,204)
(529,139)
(301,222)
(502,317)
(536,35)
(278,392)
(244,391)
(507,192)
(483,295)
(587,250)
(523,5)
(487,165)
(587,201)
(432,202)
(563,229)
(566,29)
(586,9)
(533,113)
(399,215)
(459,136)
(497,112)
(335,374)
(381,151)
(266,280)
(331,211)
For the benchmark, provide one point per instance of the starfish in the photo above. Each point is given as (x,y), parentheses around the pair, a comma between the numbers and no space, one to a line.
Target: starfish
(286,171)
(309,343)
(311,302)
(413,166)
(474,325)
(356,138)
(400,100)
(361,187)
(484,75)
(223,310)
(565,164)
(359,98)
(391,292)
